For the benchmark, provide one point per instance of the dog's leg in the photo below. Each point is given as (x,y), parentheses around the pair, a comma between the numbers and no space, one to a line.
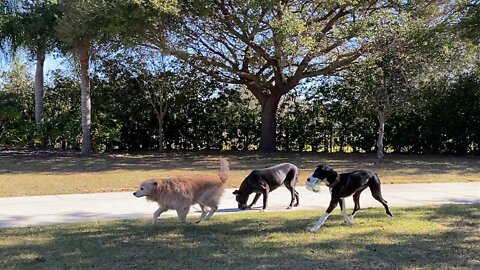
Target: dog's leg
(255,199)
(297,202)
(375,187)
(204,213)
(211,212)
(320,222)
(378,197)
(356,200)
(182,213)
(292,194)
(377,194)
(265,192)
(157,214)
(344,212)
(293,183)
(323,218)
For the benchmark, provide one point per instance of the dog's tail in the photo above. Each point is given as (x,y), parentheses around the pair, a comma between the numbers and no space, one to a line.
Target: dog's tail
(224,169)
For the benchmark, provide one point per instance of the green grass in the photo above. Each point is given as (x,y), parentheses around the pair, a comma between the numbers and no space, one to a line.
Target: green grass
(63,174)
(437,237)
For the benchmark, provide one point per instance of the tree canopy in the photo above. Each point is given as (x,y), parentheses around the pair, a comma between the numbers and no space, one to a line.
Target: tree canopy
(271,46)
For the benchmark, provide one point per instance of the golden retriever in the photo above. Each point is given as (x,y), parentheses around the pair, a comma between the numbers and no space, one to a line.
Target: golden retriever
(179,194)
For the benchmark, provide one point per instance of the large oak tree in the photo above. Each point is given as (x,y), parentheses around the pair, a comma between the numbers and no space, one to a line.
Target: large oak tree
(268,46)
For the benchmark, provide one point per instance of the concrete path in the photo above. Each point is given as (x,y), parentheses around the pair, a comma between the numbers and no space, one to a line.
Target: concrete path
(40,210)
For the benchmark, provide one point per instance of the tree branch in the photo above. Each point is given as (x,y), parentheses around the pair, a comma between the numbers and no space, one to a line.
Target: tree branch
(333,67)
(243,37)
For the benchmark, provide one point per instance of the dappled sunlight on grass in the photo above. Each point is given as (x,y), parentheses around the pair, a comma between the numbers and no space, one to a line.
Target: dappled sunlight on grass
(427,237)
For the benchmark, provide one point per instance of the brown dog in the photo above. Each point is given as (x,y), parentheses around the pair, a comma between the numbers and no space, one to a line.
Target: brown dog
(179,194)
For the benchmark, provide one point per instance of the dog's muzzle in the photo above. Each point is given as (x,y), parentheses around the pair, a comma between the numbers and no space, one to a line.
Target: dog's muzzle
(137,195)
(242,206)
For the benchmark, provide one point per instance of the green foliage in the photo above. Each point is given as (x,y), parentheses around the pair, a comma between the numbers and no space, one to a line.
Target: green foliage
(28,24)
(84,23)
(81,21)
(290,34)
(62,113)
(449,122)
(469,25)
(325,117)
(199,114)
(16,106)
(205,115)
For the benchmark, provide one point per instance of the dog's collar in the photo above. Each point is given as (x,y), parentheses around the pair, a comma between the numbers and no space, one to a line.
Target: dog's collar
(337,180)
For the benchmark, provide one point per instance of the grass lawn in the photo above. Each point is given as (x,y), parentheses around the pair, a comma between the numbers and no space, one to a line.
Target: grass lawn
(436,237)
(70,173)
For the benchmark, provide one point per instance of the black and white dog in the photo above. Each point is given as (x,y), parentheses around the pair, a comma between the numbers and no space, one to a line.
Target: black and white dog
(344,185)
(264,181)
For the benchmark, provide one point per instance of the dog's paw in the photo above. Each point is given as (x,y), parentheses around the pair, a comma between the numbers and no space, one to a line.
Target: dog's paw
(313,230)
(187,223)
(347,223)
(289,207)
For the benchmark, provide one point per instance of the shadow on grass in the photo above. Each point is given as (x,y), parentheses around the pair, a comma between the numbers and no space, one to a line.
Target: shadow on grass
(260,241)
(202,161)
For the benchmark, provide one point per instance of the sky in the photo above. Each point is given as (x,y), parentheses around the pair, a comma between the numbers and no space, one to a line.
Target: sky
(52,62)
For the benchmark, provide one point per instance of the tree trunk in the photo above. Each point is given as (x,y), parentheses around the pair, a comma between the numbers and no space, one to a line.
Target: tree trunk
(301,145)
(331,140)
(268,131)
(39,89)
(84,57)
(381,133)
(160,135)
(341,141)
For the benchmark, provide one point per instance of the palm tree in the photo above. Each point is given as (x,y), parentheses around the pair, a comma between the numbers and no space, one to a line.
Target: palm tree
(84,24)
(77,29)
(29,24)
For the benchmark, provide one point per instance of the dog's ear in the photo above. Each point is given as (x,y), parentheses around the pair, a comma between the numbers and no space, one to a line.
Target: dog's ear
(331,174)
(236,193)
(155,183)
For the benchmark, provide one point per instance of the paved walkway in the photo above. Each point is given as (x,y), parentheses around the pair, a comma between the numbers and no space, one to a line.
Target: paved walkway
(40,210)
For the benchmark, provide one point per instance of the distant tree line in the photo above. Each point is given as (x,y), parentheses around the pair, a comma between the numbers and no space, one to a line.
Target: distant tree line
(205,115)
